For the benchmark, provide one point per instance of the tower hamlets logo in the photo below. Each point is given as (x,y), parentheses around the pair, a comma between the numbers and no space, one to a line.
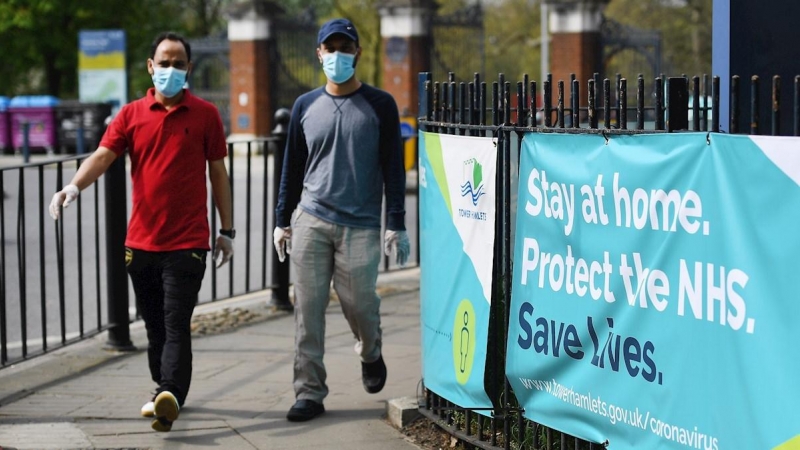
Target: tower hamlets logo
(473,180)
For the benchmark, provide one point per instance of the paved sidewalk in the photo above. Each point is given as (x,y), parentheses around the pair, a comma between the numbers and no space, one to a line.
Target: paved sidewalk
(85,397)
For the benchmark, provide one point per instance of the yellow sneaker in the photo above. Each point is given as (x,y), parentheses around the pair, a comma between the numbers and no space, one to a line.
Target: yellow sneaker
(166,410)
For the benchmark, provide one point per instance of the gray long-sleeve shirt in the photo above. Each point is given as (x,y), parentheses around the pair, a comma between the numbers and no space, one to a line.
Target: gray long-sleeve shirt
(342,154)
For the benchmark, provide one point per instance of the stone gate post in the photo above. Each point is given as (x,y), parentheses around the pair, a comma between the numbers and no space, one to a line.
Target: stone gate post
(250,37)
(575,43)
(405,34)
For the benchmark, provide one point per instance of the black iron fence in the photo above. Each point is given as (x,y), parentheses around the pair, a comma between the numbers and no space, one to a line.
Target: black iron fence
(506,112)
(64,281)
(666,104)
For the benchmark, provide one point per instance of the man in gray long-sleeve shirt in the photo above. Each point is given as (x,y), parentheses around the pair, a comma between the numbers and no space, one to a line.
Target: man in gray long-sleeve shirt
(343,154)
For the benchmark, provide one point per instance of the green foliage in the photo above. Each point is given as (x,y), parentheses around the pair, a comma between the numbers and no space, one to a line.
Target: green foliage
(513,38)
(685,29)
(365,16)
(39,38)
(202,18)
(322,8)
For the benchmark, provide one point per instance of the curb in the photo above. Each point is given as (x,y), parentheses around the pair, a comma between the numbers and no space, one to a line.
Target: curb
(402,411)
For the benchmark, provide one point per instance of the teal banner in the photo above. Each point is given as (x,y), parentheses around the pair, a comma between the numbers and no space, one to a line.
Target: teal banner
(457,215)
(655,289)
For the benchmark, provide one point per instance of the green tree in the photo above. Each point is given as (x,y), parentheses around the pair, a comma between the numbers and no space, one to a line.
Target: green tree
(204,17)
(684,25)
(194,19)
(363,13)
(39,38)
(365,16)
(513,39)
(512,36)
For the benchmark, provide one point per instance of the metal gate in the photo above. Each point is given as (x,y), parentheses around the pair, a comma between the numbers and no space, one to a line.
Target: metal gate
(295,69)
(630,50)
(210,78)
(454,36)
(293,64)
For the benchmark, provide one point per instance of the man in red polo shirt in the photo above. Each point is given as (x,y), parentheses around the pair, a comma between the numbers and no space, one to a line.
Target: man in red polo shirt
(171,137)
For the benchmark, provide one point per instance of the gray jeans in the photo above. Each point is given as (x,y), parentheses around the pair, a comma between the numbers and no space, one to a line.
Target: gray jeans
(321,252)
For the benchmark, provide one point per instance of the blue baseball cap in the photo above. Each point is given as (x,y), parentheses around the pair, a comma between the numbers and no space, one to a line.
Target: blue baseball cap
(337,26)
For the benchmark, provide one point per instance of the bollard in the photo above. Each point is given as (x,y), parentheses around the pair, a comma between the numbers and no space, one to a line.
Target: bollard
(79,146)
(280,270)
(422,94)
(26,150)
(677,104)
(119,336)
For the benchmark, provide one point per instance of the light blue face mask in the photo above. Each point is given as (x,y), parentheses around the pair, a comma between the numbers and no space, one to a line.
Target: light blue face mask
(339,67)
(168,81)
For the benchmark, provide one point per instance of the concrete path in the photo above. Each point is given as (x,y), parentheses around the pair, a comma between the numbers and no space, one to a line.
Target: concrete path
(84,396)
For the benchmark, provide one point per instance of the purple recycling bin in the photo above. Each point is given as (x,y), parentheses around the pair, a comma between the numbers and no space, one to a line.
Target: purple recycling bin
(38,111)
(5,127)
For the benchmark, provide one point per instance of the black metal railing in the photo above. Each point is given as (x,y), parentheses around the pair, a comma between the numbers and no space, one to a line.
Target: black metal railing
(38,260)
(64,281)
(677,103)
(447,107)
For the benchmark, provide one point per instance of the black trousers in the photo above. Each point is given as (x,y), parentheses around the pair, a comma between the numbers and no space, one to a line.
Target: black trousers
(166,286)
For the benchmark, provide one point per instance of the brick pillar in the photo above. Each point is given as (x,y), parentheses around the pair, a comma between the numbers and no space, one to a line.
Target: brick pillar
(575,44)
(249,35)
(405,34)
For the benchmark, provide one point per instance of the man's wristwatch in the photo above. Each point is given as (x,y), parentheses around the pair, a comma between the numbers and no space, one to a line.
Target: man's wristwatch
(228,233)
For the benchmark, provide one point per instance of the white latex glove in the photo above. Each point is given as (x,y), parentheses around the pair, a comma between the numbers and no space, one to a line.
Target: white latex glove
(282,237)
(397,242)
(223,250)
(63,198)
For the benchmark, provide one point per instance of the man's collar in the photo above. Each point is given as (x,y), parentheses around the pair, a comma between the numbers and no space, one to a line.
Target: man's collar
(152,102)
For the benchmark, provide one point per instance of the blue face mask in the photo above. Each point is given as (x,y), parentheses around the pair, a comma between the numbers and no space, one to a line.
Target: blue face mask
(168,81)
(339,67)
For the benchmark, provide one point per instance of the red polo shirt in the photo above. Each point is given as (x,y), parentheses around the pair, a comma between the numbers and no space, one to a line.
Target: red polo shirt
(169,152)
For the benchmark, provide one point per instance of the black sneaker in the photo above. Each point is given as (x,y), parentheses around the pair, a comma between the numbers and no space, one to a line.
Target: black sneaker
(373,375)
(304,410)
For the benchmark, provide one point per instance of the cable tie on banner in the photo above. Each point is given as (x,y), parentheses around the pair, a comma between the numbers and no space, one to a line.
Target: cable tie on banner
(497,134)
(605,136)
(708,138)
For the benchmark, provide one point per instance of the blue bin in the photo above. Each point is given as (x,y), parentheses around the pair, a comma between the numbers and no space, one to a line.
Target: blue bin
(38,111)
(5,127)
